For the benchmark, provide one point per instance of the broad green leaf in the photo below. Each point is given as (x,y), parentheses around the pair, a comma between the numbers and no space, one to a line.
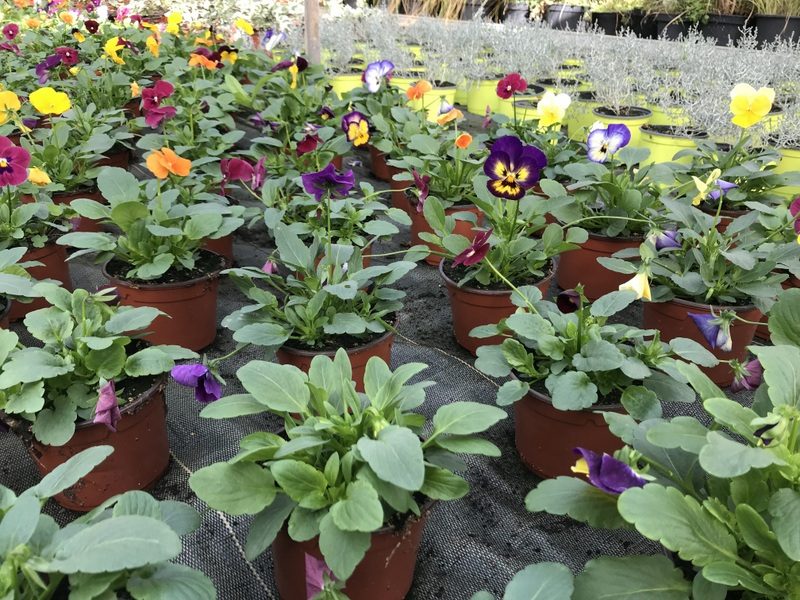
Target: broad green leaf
(467,445)
(19,523)
(441,484)
(464,418)
(237,405)
(150,361)
(724,457)
(171,582)
(117,185)
(542,581)
(641,403)
(278,387)
(266,525)
(55,426)
(598,355)
(612,303)
(300,481)
(704,387)
(29,399)
(784,506)
(572,390)
(396,457)
(694,352)
(131,319)
(680,432)
(577,499)
(240,488)
(784,319)
(631,578)
(781,372)
(360,510)
(343,550)
(70,472)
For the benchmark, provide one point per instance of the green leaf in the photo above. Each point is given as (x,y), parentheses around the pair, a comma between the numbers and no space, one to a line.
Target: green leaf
(278,387)
(512,391)
(781,372)
(542,581)
(126,214)
(343,550)
(784,506)
(171,582)
(32,364)
(131,319)
(694,352)
(237,405)
(572,390)
(19,523)
(668,389)
(528,325)
(240,488)
(396,457)
(784,319)
(70,472)
(117,185)
(49,325)
(577,499)
(686,433)
(723,457)
(262,334)
(679,522)
(598,355)
(441,484)
(612,303)
(704,387)
(55,426)
(127,542)
(360,510)
(631,578)
(109,363)
(266,526)
(290,248)
(468,445)
(300,481)
(464,418)
(641,403)
(150,361)
(29,399)
(730,574)
(492,361)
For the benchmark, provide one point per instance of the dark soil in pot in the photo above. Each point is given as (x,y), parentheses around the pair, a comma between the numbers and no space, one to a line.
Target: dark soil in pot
(118,156)
(624,112)
(674,131)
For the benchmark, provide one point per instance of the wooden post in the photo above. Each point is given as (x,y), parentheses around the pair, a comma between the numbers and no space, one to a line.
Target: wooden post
(313,51)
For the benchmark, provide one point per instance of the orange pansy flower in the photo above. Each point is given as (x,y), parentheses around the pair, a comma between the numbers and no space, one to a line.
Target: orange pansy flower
(163,162)
(451,115)
(198,60)
(418,90)
(463,141)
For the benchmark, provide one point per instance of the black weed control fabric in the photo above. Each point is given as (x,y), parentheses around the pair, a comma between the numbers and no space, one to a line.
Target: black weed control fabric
(475,543)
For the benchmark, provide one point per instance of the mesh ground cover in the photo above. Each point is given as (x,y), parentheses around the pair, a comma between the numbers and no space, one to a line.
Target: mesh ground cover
(475,543)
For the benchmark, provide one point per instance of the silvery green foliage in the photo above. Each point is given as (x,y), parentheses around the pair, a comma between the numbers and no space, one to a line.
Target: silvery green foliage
(286,14)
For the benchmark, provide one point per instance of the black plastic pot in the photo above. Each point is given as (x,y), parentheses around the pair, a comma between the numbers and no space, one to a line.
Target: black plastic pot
(516,13)
(642,24)
(472,8)
(670,27)
(608,23)
(776,27)
(724,28)
(564,16)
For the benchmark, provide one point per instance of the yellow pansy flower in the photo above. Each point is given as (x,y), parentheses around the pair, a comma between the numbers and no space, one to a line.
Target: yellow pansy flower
(228,56)
(638,284)
(32,22)
(79,37)
(749,105)
(244,26)
(294,71)
(136,90)
(50,102)
(38,177)
(703,187)
(174,19)
(74,70)
(9,102)
(552,108)
(153,46)
(112,48)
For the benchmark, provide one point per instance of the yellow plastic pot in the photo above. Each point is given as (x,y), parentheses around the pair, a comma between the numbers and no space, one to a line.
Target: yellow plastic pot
(664,145)
(566,85)
(772,121)
(480,94)
(403,83)
(668,116)
(345,82)
(790,161)
(415,50)
(580,117)
(526,109)
(461,93)
(633,122)
(431,101)
(528,101)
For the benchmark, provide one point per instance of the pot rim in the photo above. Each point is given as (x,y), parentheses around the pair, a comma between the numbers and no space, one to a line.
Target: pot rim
(604,238)
(693,304)
(546,399)
(478,292)
(725,212)
(312,353)
(167,286)
(159,382)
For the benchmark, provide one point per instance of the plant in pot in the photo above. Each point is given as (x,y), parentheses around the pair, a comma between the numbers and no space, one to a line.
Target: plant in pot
(92,381)
(516,247)
(611,16)
(16,283)
(343,492)
(125,545)
(442,167)
(614,198)
(776,21)
(157,259)
(32,226)
(710,286)
(565,15)
(571,366)
(724,523)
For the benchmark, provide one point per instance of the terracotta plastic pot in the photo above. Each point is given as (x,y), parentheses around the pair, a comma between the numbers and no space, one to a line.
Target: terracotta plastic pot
(762,331)
(399,199)
(190,306)
(672,320)
(140,458)
(378,164)
(581,266)
(385,573)
(118,156)
(54,266)
(420,225)
(222,246)
(545,436)
(381,347)
(473,307)
(79,223)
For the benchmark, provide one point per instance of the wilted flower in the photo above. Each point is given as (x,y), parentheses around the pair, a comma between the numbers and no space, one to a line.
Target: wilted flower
(206,387)
(376,73)
(747,376)
(418,90)
(356,128)
(568,301)
(512,167)
(667,239)
(445,107)
(606,472)
(476,251)
(328,181)
(38,177)
(270,268)
(638,284)
(163,162)
(107,411)
(14,163)
(715,329)
(450,115)
(421,182)
(604,142)
(510,85)
(749,105)
(487,117)
(308,144)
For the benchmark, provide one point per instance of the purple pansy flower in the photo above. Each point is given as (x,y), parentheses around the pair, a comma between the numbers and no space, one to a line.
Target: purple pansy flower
(155,116)
(568,301)
(44,67)
(10,31)
(356,128)
(197,376)
(748,376)
(715,329)
(667,239)
(721,188)
(270,268)
(421,182)
(14,163)
(107,410)
(376,72)
(476,251)
(794,211)
(328,181)
(604,142)
(512,167)
(606,472)
(445,107)
(68,56)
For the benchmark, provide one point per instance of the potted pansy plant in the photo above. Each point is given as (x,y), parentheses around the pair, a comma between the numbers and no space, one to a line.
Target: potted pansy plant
(515,247)
(126,546)
(614,197)
(92,381)
(571,366)
(726,524)
(343,493)
(158,258)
